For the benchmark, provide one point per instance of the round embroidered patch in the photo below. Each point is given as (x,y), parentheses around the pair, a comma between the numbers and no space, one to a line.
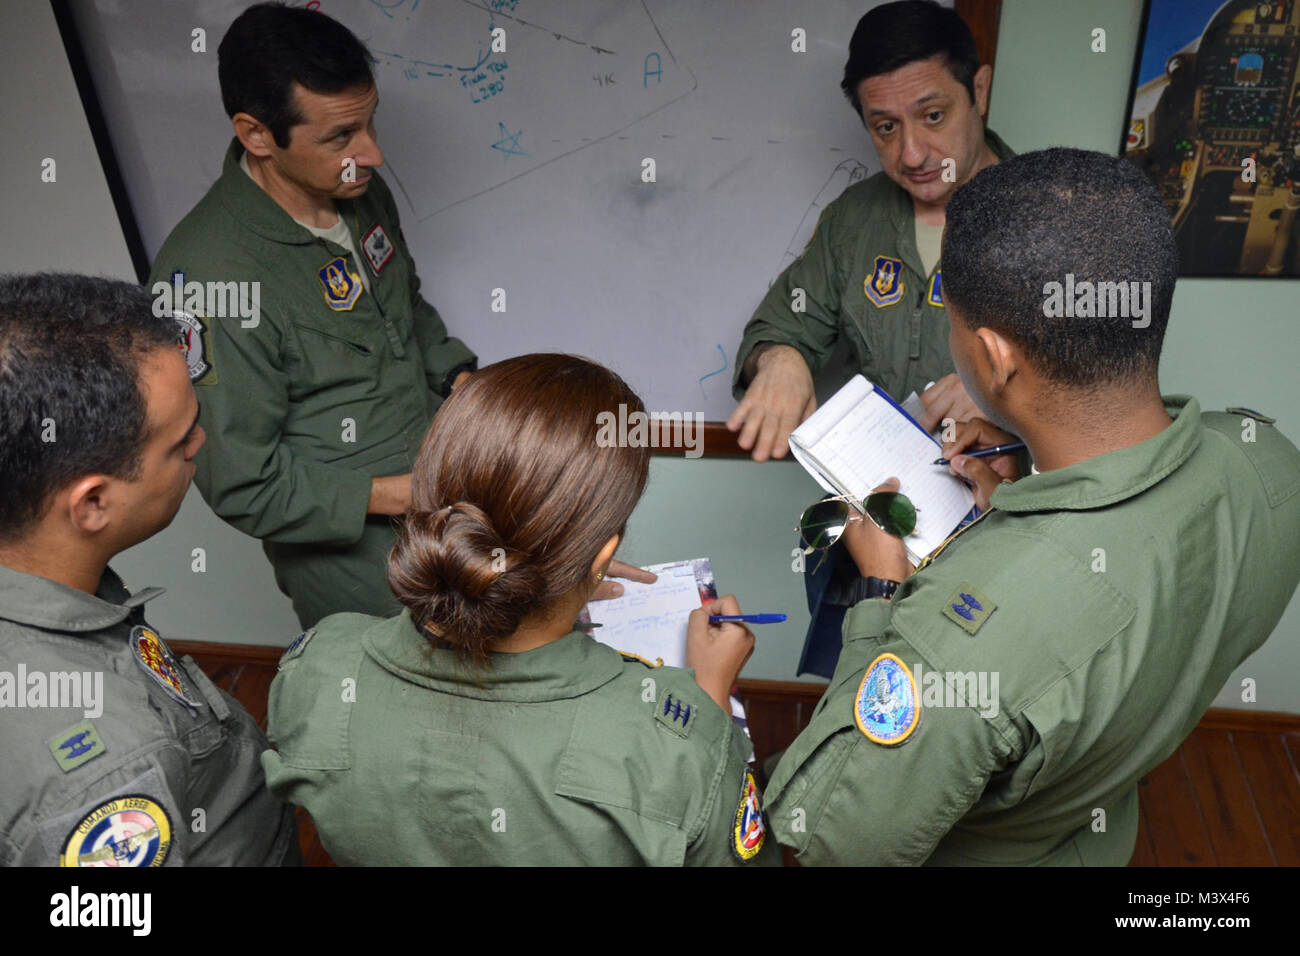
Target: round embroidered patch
(154,656)
(887,708)
(130,830)
(750,829)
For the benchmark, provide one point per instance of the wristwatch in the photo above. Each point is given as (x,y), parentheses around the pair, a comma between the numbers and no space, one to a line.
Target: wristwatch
(864,589)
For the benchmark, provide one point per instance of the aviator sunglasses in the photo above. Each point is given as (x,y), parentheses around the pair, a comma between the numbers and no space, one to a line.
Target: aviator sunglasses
(823,523)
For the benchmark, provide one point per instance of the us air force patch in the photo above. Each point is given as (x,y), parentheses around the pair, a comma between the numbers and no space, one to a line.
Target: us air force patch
(193,344)
(885,284)
(156,658)
(342,286)
(130,830)
(968,608)
(750,829)
(887,708)
(377,248)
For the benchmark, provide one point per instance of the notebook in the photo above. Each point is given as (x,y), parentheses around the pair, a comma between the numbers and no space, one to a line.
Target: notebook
(860,437)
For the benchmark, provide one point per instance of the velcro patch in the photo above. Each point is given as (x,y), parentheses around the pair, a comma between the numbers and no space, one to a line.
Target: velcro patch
(887,708)
(968,608)
(297,646)
(750,829)
(155,657)
(130,830)
(76,745)
(674,713)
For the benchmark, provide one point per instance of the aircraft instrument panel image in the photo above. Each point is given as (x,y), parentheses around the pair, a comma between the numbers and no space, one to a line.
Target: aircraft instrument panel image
(1215,123)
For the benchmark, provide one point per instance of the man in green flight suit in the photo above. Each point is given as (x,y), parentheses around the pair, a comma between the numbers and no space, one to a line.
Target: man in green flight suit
(316,391)
(870,273)
(1002,705)
(115,752)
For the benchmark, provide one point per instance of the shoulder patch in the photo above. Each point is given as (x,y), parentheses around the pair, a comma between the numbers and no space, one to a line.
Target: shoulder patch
(196,345)
(885,285)
(157,661)
(341,286)
(968,608)
(750,828)
(297,645)
(76,745)
(130,830)
(887,708)
(674,713)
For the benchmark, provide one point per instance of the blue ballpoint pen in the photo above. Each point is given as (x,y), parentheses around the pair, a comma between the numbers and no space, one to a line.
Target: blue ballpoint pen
(747,618)
(988,452)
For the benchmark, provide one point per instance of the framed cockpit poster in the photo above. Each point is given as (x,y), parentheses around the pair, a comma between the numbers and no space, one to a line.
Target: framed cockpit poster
(1214,120)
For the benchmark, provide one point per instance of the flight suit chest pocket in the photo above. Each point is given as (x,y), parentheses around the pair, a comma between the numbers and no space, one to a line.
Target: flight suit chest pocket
(337,353)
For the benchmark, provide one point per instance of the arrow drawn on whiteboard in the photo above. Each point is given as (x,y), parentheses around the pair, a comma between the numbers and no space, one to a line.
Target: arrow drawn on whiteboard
(711,374)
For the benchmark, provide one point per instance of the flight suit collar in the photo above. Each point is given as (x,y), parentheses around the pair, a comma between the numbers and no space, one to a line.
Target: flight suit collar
(40,602)
(252,207)
(1114,476)
(570,667)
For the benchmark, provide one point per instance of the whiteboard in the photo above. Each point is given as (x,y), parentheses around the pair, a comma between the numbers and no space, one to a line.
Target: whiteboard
(522,170)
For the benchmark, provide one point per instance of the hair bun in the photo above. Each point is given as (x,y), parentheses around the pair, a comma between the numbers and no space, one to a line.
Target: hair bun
(453,570)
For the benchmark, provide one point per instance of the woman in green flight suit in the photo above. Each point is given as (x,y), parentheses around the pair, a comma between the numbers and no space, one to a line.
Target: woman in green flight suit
(480,726)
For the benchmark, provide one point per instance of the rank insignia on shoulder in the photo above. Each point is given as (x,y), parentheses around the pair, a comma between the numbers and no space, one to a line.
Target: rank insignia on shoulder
(674,713)
(130,830)
(885,284)
(156,658)
(342,286)
(750,829)
(968,608)
(935,295)
(377,248)
(629,656)
(76,745)
(887,708)
(1250,413)
(297,645)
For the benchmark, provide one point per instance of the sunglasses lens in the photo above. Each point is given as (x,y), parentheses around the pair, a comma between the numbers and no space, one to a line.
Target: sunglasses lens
(823,523)
(893,512)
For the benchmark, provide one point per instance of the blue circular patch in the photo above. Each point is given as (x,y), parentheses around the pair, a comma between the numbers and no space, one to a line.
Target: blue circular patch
(887,709)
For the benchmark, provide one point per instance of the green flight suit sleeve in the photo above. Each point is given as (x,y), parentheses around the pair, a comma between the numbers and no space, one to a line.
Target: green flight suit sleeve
(839,798)
(819,273)
(716,841)
(441,352)
(246,473)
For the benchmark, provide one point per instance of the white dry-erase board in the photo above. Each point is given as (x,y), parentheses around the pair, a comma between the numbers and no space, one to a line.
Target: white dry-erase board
(522,170)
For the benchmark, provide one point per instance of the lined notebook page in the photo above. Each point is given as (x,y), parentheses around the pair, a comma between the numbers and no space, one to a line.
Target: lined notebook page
(861,439)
